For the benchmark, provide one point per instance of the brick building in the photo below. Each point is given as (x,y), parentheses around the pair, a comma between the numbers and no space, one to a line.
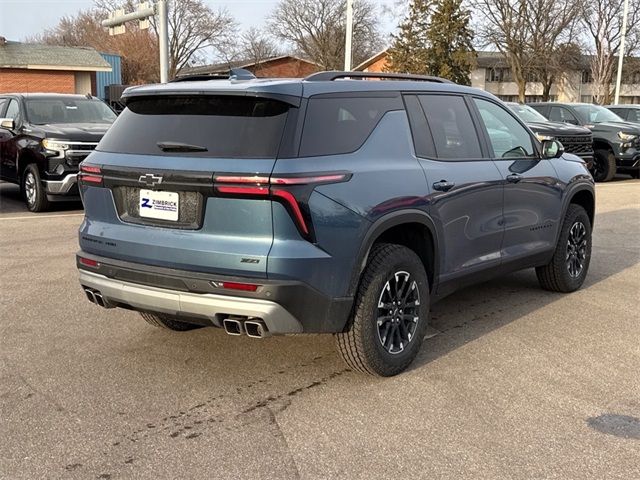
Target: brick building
(284,66)
(28,68)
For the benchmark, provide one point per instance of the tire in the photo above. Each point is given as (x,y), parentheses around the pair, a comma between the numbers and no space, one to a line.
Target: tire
(561,273)
(364,346)
(167,322)
(604,165)
(33,191)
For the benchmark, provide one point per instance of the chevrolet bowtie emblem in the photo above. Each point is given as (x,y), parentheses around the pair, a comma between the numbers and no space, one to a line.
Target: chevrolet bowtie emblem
(150,180)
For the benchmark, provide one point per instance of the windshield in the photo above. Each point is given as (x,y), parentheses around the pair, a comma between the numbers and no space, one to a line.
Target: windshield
(597,114)
(527,114)
(41,111)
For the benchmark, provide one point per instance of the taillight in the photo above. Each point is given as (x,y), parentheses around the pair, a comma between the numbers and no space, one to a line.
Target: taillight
(90,175)
(293,191)
(89,262)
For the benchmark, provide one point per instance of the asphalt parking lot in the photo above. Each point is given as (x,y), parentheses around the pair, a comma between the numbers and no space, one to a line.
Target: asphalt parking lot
(515,382)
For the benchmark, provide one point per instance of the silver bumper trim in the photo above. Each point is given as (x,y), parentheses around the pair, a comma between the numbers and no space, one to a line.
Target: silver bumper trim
(211,306)
(60,186)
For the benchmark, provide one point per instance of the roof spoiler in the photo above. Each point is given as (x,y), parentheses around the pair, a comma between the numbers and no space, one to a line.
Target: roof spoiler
(234,74)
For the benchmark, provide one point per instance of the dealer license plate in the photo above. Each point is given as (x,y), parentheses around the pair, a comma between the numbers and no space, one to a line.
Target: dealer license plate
(159,205)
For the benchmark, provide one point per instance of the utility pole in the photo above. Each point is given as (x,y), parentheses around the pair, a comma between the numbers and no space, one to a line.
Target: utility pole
(621,52)
(117,19)
(347,43)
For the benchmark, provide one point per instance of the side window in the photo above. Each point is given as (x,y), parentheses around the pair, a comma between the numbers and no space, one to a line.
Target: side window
(622,113)
(634,115)
(13,111)
(422,140)
(555,114)
(338,125)
(508,137)
(560,114)
(454,134)
(3,102)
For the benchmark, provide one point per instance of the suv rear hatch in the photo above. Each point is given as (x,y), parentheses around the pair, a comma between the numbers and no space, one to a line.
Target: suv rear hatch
(164,186)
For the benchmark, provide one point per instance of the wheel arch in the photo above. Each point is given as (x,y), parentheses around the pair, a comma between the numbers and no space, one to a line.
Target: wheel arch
(411,228)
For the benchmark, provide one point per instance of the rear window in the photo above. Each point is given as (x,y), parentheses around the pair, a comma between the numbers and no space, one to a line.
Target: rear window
(336,125)
(215,126)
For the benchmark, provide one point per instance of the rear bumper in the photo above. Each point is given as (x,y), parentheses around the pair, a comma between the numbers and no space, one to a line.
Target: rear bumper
(205,306)
(285,307)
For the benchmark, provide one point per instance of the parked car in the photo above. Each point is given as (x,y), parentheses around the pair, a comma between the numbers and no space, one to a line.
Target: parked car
(629,113)
(323,205)
(616,143)
(575,139)
(43,139)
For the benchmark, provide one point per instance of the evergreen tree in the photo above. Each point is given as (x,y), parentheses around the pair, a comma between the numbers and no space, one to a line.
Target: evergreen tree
(408,51)
(451,53)
(434,39)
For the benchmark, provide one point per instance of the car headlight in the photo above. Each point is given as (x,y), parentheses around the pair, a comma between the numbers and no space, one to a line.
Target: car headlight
(544,138)
(627,137)
(55,145)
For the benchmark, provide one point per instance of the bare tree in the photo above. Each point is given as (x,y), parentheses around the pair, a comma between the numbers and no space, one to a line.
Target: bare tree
(316,29)
(193,27)
(256,46)
(603,21)
(528,32)
(138,48)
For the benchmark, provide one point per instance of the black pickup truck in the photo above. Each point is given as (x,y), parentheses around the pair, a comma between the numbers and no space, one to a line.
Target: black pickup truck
(43,138)
(574,139)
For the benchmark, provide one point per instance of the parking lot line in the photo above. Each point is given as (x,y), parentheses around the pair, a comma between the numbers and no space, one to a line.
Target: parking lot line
(38,217)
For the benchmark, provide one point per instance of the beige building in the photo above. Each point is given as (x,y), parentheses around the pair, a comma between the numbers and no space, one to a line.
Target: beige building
(493,75)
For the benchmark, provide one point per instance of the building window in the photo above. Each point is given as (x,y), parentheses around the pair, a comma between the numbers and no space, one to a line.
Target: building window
(586,99)
(498,75)
(587,77)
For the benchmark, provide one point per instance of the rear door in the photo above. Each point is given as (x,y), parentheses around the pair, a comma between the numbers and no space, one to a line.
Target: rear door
(181,183)
(532,195)
(465,187)
(8,140)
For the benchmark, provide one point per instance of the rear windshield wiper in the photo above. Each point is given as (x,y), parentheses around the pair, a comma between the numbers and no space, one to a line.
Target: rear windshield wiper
(180,147)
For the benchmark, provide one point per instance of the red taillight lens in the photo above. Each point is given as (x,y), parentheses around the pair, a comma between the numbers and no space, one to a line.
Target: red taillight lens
(90,174)
(292,190)
(247,287)
(88,262)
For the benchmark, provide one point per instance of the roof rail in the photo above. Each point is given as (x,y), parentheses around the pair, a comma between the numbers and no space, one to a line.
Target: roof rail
(234,74)
(334,75)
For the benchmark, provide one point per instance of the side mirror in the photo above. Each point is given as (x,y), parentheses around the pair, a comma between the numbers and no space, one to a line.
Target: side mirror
(8,123)
(572,121)
(552,149)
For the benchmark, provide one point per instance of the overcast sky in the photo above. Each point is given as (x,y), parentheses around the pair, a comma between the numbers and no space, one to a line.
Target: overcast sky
(22,18)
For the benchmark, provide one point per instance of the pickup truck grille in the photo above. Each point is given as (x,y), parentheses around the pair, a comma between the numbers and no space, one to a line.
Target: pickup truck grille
(77,152)
(577,144)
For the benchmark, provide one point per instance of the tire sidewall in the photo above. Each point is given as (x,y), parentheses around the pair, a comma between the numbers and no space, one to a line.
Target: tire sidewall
(392,264)
(574,215)
(603,159)
(36,206)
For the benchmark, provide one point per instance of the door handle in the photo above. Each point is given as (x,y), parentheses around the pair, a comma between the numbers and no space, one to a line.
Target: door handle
(443,186)
(514,178)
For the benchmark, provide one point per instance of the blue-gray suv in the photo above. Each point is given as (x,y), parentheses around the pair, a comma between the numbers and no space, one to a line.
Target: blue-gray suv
(330,204)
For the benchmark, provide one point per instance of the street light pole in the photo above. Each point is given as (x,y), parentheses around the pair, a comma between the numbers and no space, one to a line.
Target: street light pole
(621,52)
(347,43)
(116,22)
(163,34)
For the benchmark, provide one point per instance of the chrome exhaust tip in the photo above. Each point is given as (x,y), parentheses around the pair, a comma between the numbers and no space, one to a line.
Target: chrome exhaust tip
(233,326)
(90,295)
(256,328)
(100,300)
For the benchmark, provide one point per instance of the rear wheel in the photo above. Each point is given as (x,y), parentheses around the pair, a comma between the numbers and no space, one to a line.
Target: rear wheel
(568,268)
(604,165)
(33,191)
(168,322)
(389,318)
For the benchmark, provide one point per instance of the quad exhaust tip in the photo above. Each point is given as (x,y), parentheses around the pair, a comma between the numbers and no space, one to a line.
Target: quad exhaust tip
(233,326)
(252,327)
(256,329)
(96,297)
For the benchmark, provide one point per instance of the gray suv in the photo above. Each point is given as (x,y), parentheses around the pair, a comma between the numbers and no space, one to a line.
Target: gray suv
(330,204)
